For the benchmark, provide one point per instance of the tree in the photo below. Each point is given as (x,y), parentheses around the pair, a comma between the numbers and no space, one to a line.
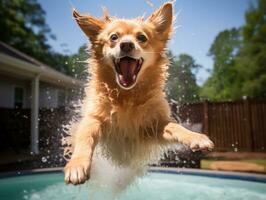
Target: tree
(223,51)
(240,59)
(181,84)
(23,26)
(251,61)
(77,63)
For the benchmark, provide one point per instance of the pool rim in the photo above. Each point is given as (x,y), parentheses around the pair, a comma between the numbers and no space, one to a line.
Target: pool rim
(244,176)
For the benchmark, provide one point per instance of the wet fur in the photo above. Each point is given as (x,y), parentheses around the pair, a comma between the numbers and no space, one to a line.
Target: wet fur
(130,126)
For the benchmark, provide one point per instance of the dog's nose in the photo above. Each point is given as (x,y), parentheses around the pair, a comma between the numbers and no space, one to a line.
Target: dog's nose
(127,47)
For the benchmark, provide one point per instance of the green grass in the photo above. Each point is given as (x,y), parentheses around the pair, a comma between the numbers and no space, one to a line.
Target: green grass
(259,162)
(205,164)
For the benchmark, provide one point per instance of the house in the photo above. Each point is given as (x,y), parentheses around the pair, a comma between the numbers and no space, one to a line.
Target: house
(26,83)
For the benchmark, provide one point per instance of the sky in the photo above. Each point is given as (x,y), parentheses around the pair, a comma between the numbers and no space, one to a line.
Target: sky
(198,23)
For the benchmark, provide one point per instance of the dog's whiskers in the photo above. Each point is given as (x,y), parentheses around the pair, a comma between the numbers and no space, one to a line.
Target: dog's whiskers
(152,52)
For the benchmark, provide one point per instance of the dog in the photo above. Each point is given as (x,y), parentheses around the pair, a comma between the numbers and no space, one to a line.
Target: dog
(125,110)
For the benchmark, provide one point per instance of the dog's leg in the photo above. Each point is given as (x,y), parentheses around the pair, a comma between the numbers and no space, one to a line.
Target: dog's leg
(173,132)
(77,170)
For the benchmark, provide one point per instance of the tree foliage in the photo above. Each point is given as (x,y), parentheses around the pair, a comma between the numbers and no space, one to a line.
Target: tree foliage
(251,61)
(181,84)
(240,59)
(23,26)
(77,63)
(223,50)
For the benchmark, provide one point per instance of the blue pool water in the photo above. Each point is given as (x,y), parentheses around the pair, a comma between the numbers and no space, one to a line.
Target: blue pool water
(154,186)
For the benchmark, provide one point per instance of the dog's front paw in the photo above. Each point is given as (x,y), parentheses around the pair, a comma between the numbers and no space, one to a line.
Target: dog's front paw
(200,142)
(77,170)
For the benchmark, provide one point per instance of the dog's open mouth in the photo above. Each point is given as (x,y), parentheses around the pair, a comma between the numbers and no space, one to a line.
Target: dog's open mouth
(127,70)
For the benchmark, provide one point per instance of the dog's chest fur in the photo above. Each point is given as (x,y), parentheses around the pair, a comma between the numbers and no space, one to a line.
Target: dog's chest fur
(130,133)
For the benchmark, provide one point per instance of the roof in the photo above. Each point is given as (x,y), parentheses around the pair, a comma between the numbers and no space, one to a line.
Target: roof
(21,64)
(8,50)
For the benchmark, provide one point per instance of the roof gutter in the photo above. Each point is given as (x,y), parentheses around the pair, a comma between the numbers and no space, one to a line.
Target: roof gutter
(47,74)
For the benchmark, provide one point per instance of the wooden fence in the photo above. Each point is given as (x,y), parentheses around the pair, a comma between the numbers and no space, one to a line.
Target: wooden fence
(233,126)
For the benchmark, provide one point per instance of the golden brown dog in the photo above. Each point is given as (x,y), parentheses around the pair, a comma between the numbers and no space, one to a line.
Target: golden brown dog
(125,110)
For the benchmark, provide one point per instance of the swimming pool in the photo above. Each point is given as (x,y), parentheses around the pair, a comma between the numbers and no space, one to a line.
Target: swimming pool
(157,184)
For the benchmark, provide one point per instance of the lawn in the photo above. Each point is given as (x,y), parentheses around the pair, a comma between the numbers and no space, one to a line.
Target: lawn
(205,164)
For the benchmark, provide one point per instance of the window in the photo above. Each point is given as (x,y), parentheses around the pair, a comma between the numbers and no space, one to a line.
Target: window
(61,98)
(19,94)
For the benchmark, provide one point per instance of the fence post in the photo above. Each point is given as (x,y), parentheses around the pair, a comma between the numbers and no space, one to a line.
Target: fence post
(206,117)
(249,124)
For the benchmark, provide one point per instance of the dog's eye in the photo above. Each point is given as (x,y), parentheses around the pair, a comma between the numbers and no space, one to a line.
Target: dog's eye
(113,37)
(142,38)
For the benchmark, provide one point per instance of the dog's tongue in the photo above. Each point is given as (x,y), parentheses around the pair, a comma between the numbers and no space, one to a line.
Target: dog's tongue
(128,69)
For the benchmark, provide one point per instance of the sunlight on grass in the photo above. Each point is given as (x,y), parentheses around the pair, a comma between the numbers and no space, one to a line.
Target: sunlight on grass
(205,164)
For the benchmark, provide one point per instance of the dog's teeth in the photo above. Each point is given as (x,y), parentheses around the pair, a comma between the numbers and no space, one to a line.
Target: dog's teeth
(117,60)
(134,76)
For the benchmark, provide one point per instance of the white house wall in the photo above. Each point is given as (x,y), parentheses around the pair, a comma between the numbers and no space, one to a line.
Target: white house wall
(50,96)
(7,88)
(6,95)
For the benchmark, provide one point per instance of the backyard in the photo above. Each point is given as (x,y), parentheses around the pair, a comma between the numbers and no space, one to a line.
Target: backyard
(212,75)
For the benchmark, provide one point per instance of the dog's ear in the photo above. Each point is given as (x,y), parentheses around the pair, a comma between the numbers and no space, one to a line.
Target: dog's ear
(105,15)
(91,26)
(162,19)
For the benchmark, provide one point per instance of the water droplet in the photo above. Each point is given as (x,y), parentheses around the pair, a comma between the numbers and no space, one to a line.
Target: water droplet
(44,159)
